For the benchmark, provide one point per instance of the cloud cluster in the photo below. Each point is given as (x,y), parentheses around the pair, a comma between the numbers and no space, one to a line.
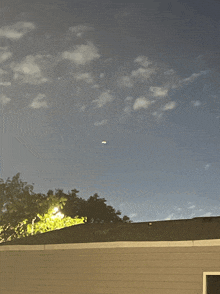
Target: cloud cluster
(82,55)
(37,103)
(100,123)
(28,71)
(16,31)
(87,77)
(141,102)
(103,99)
(80,30)
(32,70)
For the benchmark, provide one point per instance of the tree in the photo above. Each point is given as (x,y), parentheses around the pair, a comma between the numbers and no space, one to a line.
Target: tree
(22,206)
(94,209)
(48,222)
(24,209)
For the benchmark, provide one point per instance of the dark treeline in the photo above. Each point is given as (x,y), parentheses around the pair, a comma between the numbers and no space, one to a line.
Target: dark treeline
(18,202)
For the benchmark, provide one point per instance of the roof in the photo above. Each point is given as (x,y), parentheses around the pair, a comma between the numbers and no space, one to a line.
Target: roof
(199,228)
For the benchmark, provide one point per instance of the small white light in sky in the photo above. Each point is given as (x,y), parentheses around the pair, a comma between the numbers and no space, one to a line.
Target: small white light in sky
(103,142)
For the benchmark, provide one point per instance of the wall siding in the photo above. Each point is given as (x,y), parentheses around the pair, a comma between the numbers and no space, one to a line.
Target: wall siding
(120,270)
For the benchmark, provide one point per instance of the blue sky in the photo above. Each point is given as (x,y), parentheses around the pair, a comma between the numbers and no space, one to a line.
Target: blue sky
(141,75)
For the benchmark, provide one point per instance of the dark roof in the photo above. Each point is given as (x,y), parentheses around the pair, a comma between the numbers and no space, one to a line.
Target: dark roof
(199,228)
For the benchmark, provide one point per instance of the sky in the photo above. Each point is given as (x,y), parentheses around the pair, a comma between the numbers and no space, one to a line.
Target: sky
(141,75)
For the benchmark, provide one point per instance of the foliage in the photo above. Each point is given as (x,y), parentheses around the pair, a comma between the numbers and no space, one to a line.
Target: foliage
(48,222)
(94,209)
(22,207)
(29,213)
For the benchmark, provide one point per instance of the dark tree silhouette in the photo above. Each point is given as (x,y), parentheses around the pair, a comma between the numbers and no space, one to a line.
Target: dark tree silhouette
(18,202)
(94,209)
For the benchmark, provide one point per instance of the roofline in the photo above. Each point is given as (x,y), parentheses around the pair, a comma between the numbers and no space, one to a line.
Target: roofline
(121,244)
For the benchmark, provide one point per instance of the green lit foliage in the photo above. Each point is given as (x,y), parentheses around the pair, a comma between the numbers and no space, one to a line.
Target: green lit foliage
(27,213)
(48,222)
(23,206)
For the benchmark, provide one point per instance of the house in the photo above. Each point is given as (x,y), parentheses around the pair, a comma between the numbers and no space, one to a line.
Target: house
(161,257)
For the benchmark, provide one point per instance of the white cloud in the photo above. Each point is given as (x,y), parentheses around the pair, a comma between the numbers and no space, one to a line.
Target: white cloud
(28,70)
(5,83)
(141,102)
(207,166)
(100,123)
(80,29)
(194,76)
(38,104)
(133,215)
(4,100)
(87,77)
(158,115)
(82,108)
(4,56)
(104,98)
(17,30)
(142,73)
(125,81)
(196,103)
(192,206)
(158,91)
(169,105)
(101,75)
(169,72)
(82,55)
(143,61)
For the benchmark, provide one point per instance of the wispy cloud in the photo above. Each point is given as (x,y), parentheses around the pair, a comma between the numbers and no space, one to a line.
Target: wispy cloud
(207,166)
(4,54)
(87,77)
(192,77)
(196,103)
(141,102)
(104,98)
(17,30)
(143,61)
(100,123)
(4,83)
(4,100)
(143,73)
(129,98)
(170,105)
(125,81)
(159,91)
(169,72)
(82,55)
(37,103)
(127,109)
(80,30)
(28,70)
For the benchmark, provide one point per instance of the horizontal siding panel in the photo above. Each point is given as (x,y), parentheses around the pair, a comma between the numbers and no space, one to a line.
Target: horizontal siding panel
(111,284)
(124,257)
(85,290)
(111,277)
(128,263)
(109,252)
(112,269)
(132,270)
(117,250)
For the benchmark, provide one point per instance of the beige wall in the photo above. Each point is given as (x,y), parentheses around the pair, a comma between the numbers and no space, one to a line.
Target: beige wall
(115,267)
